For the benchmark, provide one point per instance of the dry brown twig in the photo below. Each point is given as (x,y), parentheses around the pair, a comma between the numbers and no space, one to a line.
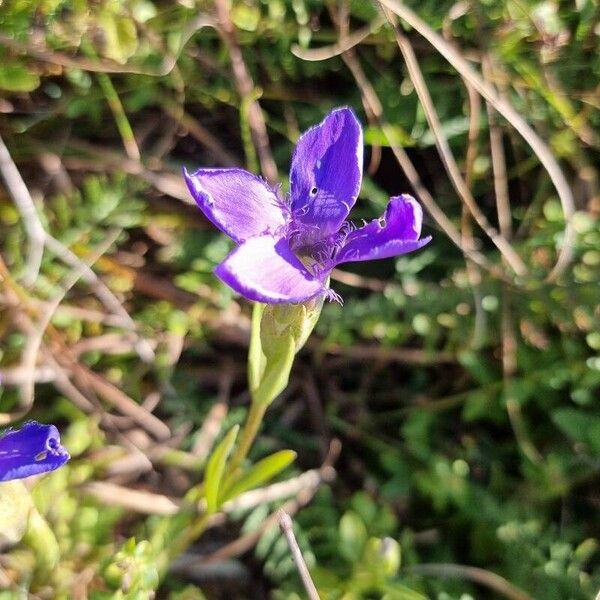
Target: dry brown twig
(541,150)
(483,577)
(287,528)
(121,401)
(34,227)
(472,269)
(32,346)
(26,207)
(498,159)
(300,488)
(284,489)
(246,89)
(370,96)
(512,258)
(341,18)
(344,43)
(139,501)
(199,132)
(61,360)
(51,56)
(55,372)
(509,341)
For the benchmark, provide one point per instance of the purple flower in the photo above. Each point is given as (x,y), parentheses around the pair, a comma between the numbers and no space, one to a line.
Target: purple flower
(33,449)
(288,247)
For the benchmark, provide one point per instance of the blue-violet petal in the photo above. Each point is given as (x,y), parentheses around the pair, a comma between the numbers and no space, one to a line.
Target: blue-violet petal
(265,269)
(238,203)
(33,449)
(326,174)
(397,232)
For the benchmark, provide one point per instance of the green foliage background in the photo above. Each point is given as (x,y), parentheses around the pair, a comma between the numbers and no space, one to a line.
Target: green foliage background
(466,403)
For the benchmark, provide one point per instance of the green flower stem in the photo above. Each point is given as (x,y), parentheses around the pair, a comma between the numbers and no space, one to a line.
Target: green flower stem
(118,111)
(188,536)
(248,435)
(175,535)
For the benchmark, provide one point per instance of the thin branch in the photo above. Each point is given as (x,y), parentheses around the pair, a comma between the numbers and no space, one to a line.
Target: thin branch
(344,44)
(199,132)
(341,18)
(102,291)
(309,480)
(137,500)
(16,375)
(104,66)
(120,400)
(34,340)
(287,528)
(445,152)
(246,90)
(541,150)
(487,578)
(370,96)
(384,354)
(26,207)
(498,160)
(473,272)
(39,235)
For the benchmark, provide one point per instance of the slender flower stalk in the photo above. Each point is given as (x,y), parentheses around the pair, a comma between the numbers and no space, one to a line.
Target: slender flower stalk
(286,250)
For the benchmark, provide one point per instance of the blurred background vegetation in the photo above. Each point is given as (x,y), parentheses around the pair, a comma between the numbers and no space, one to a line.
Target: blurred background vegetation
(445,418)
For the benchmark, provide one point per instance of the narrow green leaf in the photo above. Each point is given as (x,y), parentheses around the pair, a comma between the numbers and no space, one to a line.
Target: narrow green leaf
(215,469)
(263,471)
(397,591)
(580,426)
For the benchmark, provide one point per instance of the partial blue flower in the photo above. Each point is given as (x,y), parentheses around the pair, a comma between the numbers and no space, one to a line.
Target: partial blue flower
(288,247)
(33,449)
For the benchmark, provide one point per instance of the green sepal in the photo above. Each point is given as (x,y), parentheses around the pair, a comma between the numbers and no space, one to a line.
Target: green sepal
(263,471)
(256,358)
(215,469)
(278,332)
(276,374)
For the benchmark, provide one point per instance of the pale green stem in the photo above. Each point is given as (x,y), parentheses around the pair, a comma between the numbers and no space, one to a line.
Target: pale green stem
(116,107)
(251,427)
(121,120)
(189,536)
